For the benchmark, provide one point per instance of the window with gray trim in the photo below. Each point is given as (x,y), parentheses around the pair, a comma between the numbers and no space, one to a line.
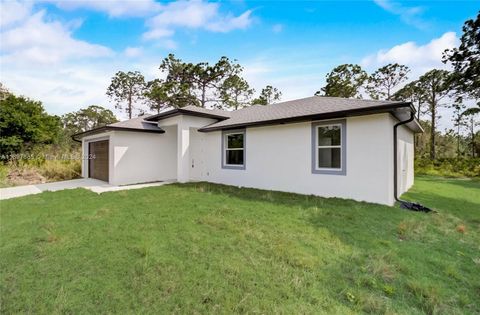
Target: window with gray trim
(233,149)
(328,147)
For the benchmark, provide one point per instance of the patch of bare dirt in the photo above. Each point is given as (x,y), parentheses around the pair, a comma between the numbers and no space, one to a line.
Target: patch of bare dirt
(25,177)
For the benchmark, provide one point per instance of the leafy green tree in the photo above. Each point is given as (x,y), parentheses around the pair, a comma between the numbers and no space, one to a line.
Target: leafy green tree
(466,61)
(93,116)
(126,89)
(4,92)
(208,80)
(472,115)
(235,92)
(178,82)
(458,122)
(24,123)
(422,141)
(434,87)
(385,79)
(344,81)
(198,84)
(268,95)
(411,92)
(446,147)
(158,95)
(477,144)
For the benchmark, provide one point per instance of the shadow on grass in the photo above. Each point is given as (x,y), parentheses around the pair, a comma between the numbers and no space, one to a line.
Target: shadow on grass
(355,222)
(351,219)
(281,198)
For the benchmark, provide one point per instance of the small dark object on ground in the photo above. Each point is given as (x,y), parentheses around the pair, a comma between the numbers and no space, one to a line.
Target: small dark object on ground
(414,206)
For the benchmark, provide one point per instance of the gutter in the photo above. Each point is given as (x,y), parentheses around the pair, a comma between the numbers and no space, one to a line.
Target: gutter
(403,204)
(73,138)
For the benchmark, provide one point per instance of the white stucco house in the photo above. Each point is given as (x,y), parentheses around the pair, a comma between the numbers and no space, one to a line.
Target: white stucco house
(325,146)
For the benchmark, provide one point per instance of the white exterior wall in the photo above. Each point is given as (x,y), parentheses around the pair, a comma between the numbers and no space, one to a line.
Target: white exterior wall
(279,158)
(138,157)
(405,159)
(185,126)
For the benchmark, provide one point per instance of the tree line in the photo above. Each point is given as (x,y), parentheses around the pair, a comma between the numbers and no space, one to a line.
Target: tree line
(220,85)
(26,127)
(24,122)
(430,92)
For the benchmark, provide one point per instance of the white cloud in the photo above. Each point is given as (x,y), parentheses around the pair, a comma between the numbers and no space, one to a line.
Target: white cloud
(169,44)
(293,79)
(69,86)
(40,58)
(420,58)
(194,14)
(410,15)
(34,39)
(229,23)
(191,14)
(157,33)
(277,28)
(13,11)
(133,52)
(62,89)
(114,8)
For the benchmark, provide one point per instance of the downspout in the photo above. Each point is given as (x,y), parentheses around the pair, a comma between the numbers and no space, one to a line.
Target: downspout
(403,204)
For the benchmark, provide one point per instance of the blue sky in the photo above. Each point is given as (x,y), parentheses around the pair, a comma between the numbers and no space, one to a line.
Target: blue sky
(64,52)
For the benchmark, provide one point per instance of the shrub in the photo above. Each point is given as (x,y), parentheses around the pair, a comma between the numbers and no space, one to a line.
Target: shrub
(448,167)
(39,165)
(61,170)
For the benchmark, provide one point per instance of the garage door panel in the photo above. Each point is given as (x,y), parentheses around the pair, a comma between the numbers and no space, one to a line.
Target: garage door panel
(98,164)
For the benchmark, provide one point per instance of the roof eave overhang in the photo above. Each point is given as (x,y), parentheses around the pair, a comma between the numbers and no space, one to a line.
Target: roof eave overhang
(112,128)
(340,114)
(403,114)
(180,111)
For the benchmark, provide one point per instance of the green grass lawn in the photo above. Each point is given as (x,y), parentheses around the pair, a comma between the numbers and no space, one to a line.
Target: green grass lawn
(204,248)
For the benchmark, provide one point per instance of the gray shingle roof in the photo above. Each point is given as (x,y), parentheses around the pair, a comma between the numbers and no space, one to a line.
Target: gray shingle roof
(305,107)
(218,112)
(136,123)
(314,107)
(192,110)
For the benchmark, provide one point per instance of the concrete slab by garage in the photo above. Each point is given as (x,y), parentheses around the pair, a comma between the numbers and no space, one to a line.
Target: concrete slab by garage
(94,185)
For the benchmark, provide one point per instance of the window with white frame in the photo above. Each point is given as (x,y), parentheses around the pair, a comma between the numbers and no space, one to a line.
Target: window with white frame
(328,147)
(234,149)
